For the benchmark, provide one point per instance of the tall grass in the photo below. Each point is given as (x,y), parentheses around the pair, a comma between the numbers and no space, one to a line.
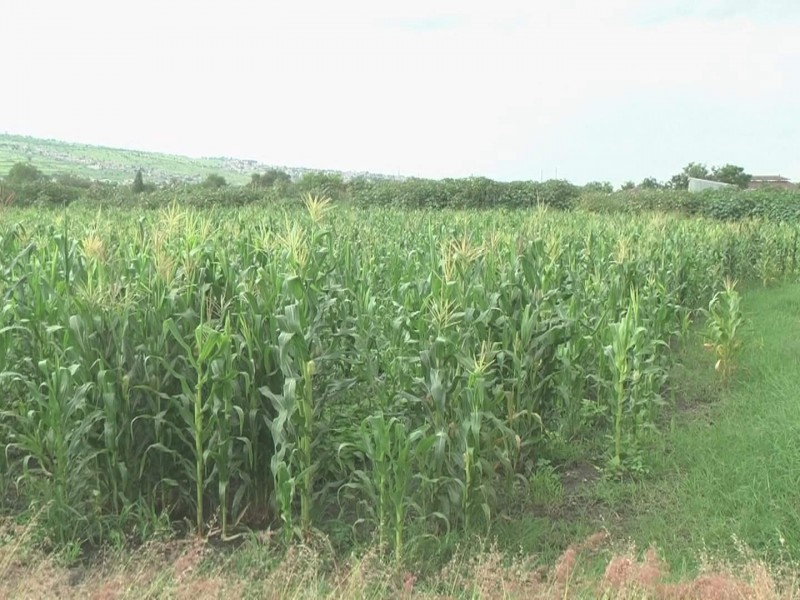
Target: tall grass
(382,373)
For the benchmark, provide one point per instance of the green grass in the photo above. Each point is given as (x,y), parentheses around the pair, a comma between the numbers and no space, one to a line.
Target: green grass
(726,474)
(733,470)
(115,164)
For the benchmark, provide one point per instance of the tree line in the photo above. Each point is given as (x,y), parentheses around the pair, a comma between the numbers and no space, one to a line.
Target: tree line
(26,184)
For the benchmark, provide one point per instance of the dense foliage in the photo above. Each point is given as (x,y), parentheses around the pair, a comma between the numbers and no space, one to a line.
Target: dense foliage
(475,192)
(25,186)
(355,371)
(725,205)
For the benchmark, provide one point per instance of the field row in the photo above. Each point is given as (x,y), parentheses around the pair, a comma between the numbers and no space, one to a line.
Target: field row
(373,373)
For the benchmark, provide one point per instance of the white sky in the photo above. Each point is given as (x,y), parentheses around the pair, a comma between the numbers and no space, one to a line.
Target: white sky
(509,89)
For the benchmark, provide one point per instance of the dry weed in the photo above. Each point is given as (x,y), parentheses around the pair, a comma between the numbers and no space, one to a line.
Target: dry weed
(171,570)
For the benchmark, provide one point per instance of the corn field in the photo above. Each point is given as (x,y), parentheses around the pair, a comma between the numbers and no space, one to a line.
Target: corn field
(382,373)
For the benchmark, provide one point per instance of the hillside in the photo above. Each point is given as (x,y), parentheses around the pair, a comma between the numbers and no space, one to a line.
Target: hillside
(116,164)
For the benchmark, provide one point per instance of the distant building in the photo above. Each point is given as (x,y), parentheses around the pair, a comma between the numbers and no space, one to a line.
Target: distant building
(762,181)
(699,185)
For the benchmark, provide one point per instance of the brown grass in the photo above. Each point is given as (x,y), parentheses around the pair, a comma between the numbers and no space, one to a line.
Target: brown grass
(183,570)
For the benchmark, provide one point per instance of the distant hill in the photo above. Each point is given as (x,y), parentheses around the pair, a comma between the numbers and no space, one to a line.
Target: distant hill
(115,164)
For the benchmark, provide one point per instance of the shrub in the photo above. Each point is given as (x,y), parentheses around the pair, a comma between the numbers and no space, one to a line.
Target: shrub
(326,184)
(45,192)
(138,182)
(21,173)
(724,205)
(270,178)
(474,192)
(214,182)
(74,181)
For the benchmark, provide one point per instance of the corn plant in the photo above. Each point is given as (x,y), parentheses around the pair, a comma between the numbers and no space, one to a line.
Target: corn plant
(724,321)
(393,458)
(51,426)
(209,344)
(266,366)
(624,337)
(473,441)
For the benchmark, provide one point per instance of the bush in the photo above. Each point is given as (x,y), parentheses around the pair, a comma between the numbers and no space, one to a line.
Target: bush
(599,186)
(22,173)
(331,185)
(214,182)
(138,183)
(474,192)
(726,205)
(45,192)
(74,181)
(271,178)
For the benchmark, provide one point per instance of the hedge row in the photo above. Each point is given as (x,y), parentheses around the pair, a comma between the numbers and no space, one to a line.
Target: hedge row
(469,193)
(726,205)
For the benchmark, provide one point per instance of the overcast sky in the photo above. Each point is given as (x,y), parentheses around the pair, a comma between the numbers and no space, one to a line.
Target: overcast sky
(508,89)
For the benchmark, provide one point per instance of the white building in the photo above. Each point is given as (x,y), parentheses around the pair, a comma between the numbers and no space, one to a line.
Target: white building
(700,185)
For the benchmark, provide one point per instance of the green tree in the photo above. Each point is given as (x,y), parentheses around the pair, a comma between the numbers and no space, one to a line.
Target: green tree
(271,178)
(651,183)
(728,173)
(732,174)
(316,182)
(598,186)
(214,182)
(138,182)
(695,170)
(74,181)
(628,185)
(23,173)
